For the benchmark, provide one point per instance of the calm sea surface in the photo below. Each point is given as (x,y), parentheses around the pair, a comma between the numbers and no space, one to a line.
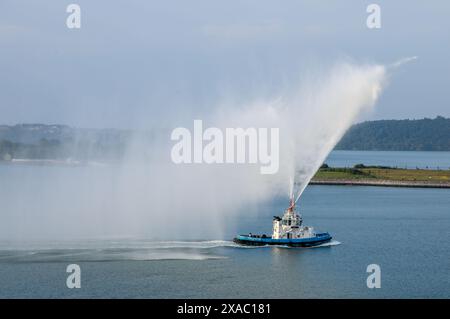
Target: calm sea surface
(403,230)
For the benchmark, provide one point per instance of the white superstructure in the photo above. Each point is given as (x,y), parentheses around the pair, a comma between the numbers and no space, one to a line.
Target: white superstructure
(290,226)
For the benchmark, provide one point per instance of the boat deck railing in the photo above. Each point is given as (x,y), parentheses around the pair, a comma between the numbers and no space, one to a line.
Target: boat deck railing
(256,236)
(264,236)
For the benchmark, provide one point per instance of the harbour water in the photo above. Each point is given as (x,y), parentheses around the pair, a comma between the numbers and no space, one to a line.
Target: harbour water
(403,230)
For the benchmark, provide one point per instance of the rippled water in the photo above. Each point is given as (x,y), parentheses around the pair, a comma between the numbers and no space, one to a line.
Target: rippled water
(124,250)
(404,230)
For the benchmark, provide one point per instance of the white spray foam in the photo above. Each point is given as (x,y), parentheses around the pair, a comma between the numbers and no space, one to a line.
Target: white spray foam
(157,198)
(313,117)
(402,62)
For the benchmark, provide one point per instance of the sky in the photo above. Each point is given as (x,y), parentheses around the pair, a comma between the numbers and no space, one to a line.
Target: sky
(139,63)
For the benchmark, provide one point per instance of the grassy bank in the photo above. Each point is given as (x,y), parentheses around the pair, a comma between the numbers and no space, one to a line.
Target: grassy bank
(377,174)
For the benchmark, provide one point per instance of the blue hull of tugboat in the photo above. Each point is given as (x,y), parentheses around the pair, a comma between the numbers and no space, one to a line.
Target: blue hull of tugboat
(293,242)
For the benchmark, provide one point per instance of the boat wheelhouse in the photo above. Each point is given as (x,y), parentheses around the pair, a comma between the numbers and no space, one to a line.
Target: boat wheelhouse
(287,230)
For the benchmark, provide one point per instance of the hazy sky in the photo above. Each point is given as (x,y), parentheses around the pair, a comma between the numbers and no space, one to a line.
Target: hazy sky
(141,61)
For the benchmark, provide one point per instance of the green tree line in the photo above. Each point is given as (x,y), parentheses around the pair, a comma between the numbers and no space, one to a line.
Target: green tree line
(398,135)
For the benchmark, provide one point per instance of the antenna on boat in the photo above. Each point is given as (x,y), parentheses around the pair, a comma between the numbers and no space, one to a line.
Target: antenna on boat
(291,195)
(291,188)
(291,204)
(292,201)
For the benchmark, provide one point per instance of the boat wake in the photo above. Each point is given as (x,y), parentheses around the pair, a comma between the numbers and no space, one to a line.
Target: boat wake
(102,256)
(120,250)
(331,243)
(131,250)
(116,244)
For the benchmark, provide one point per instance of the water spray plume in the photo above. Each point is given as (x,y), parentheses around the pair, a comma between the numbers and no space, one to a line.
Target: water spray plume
(291,187)
(325,110)
(355,90)
(312,117)
(402,62)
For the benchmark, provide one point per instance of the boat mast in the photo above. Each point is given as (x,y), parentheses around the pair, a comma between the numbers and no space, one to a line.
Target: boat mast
(291,207)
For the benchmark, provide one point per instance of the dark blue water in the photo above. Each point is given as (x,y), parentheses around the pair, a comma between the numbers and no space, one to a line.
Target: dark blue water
(405,231)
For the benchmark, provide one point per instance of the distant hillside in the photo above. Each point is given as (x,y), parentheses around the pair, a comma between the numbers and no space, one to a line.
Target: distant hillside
(40,141)
(398,135)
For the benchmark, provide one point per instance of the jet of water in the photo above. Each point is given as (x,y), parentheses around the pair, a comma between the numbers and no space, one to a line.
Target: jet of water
(348,92)
(402,62)
(137,197)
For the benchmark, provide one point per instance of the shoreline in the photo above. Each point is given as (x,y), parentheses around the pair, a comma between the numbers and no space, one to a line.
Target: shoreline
(380,183)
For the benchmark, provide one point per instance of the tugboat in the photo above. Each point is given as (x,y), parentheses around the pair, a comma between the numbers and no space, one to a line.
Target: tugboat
(287,231)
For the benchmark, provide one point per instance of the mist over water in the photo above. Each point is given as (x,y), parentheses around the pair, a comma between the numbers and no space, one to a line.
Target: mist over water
(146,195)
